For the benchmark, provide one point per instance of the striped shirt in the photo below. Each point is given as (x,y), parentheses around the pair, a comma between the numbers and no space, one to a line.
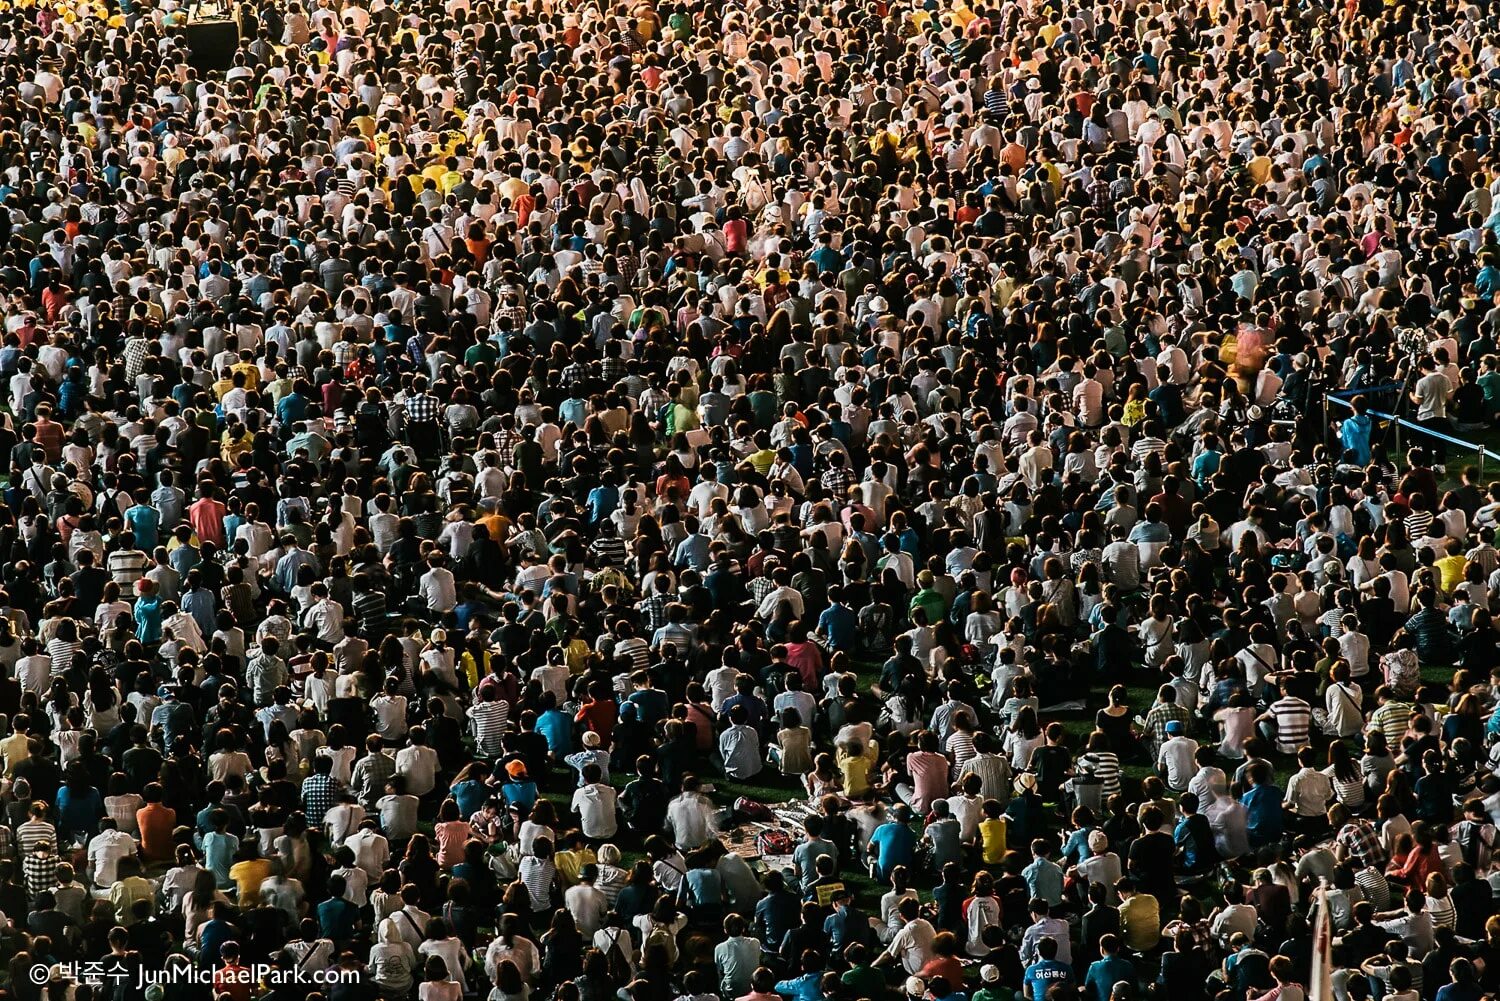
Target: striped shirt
(1486,555)
(1293,718)
(1373,885)
(538,874)
(126,566)
(369,610)
(1392,720)
(610,549)
(489,720)
(1105,767)
(62,652)
(960,748)
(32,833)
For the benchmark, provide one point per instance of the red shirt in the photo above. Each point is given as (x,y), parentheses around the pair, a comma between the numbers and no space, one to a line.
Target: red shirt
(234,981)
(947,967)
(599,715)
(207,518)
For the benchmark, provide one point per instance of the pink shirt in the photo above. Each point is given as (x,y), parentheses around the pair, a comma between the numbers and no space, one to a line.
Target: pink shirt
(451,835)
(929,778)
(807,660)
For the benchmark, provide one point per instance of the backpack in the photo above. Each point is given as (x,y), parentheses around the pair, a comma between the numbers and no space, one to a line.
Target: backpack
(615,963)
(661,935)
(752,810)
(773,841)
(1473,845)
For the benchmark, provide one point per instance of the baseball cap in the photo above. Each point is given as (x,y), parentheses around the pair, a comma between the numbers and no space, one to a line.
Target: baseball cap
(1174,726)
(591,739)
(989,973)
(916,986)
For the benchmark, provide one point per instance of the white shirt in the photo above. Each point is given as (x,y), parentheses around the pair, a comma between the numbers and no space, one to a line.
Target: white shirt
(438,590)
(105,853)
(913,945)
(688,817)
(588,905)
(419,765)
(1176,758)
(595,804)
(371,850)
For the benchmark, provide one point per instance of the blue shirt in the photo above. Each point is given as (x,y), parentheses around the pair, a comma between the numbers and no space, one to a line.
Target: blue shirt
(895,845)
(470,795)
(1263,814)
(218,855)
(803,988)
(805,859)
(199,603)
(558,729)
(1105,973)
(336,918)
(521,795)
(840,624)
(78,813)
(145,524)
(1042,974)
(148,618)
(1044,878)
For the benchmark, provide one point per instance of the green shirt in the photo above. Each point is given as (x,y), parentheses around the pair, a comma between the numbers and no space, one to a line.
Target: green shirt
(484,351)
(864,982)
(1490,383)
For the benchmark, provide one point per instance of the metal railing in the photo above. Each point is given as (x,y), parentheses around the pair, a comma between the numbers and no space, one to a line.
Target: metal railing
(1344,398)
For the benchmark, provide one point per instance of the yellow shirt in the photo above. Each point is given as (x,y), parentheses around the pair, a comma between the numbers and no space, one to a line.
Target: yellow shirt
(1140,922)
(992,836)
(14,750)
(856,771)
(252,374)
(125,893)
(762,460)
(1451,572)
(570,864)
(249,875)
(1259,168)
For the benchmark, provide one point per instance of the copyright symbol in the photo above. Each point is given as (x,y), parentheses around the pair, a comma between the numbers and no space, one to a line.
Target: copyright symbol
(40,975)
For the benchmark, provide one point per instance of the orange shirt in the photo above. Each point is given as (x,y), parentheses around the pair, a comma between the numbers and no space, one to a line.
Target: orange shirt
(156,823)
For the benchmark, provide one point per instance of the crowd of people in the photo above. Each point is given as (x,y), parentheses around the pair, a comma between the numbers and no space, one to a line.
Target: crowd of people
(468,461)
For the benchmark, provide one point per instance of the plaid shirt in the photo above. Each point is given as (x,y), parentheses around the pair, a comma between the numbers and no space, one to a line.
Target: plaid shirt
(319,792)
(652,400)
(653,610)
(760,587)
(612,370)
(370,775)
(136,350)
(423,409)
(1160,715)
(40,872)
(1358,838)
(505,445)
(837,480)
